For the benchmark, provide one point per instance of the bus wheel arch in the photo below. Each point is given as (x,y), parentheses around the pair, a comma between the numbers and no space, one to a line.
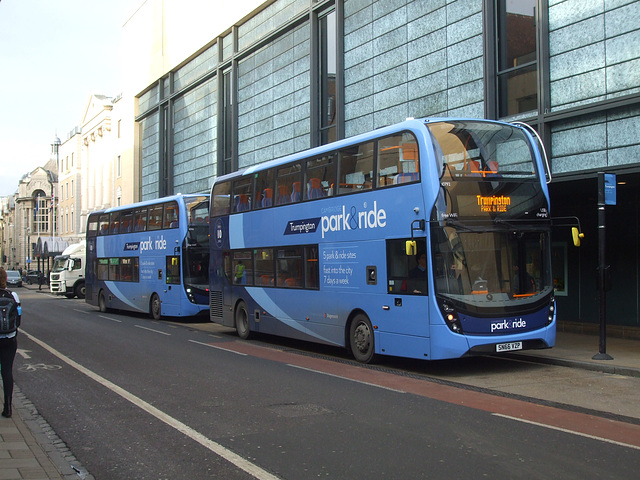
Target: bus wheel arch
(155,306)
(360,339)
(241,320)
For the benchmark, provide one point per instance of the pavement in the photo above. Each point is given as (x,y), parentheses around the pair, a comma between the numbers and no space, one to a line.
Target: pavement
(30,449)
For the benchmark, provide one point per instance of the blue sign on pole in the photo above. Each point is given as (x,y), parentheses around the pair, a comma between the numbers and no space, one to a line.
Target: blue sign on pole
(609,188)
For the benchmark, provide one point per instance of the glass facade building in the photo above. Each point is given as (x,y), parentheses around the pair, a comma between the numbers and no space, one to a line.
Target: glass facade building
(295,74)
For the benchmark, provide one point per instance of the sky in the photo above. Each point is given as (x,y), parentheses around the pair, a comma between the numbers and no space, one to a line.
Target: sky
(53,56)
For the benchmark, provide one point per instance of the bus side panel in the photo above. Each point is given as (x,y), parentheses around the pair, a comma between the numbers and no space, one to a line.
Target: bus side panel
(299,320)
(409,346)
(118,299)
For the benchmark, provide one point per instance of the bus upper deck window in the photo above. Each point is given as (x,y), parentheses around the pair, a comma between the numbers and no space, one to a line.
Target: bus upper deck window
(170,215)
(356,168)
(242,194)
(140,220)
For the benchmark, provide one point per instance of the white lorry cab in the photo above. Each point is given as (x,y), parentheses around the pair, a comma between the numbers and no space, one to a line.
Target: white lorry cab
(67,274)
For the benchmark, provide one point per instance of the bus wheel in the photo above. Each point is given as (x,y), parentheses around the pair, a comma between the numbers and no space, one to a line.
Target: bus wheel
(361,338)
(80,290)
(102,302)
(242,321)
(156,308)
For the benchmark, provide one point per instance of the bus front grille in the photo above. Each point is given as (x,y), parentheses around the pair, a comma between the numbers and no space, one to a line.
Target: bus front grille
(215,304)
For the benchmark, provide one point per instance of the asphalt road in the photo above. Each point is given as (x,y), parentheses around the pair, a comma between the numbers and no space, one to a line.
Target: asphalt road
(138,399)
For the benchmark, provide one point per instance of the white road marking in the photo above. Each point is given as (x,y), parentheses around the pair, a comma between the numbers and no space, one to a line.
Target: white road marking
(112,319)
(572,432)
(345,378)
(152,330)
(218,348)
(230,456)
(24,353)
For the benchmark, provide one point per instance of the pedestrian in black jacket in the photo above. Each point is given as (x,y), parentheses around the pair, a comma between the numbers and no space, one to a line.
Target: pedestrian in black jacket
(8,348)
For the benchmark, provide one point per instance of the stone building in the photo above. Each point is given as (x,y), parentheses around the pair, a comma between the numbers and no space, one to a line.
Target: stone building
(33,232)
(293,74)
(95,167)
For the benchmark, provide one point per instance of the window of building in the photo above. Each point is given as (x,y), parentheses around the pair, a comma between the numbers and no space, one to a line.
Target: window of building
(327,71)
(118,166)
(227,122)
(516,59)
(41,212)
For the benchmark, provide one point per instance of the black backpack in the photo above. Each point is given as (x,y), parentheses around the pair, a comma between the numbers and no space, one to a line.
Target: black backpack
(9,316)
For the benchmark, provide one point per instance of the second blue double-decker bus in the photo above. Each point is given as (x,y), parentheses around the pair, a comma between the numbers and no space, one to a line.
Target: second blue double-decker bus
(427,239)
(150,257)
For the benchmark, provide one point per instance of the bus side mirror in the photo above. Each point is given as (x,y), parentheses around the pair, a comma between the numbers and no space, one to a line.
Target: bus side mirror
(411,248)
(576,236)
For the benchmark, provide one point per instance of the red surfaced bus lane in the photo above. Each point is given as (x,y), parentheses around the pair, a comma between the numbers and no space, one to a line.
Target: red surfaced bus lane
(582,424)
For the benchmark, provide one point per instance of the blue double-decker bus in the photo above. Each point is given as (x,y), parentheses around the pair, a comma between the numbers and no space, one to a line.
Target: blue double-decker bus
(150,257)
(428,239)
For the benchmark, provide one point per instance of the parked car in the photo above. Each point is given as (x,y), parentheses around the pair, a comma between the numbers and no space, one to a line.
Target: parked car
(32,276)
(13,278)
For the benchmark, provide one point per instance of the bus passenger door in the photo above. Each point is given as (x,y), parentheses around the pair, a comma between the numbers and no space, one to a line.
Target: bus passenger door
(173,290)
(407,287)
(226,279)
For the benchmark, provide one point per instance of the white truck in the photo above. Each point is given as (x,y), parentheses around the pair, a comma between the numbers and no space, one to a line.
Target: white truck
(67,274)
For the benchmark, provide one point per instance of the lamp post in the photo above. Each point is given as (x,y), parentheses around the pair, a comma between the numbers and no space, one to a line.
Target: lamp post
(27,259)
(55,151)
(12,245)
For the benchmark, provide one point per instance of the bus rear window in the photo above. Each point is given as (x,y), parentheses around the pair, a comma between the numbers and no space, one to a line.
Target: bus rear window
(92,226)
(220,200)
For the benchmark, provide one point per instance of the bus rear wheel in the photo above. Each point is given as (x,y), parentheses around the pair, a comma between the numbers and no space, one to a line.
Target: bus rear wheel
(242,321)
(155,307)
(102,301)
(361,339)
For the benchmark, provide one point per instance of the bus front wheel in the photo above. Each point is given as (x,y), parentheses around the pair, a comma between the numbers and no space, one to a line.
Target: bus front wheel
(155,307)
(242,321)
(361,339)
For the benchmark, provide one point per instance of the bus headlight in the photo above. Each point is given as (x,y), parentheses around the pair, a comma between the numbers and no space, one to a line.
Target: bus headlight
(552,311)
(451,317)
(190,295)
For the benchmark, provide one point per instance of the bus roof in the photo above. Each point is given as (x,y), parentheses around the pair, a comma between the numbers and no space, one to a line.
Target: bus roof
(412,124)
(146,203)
